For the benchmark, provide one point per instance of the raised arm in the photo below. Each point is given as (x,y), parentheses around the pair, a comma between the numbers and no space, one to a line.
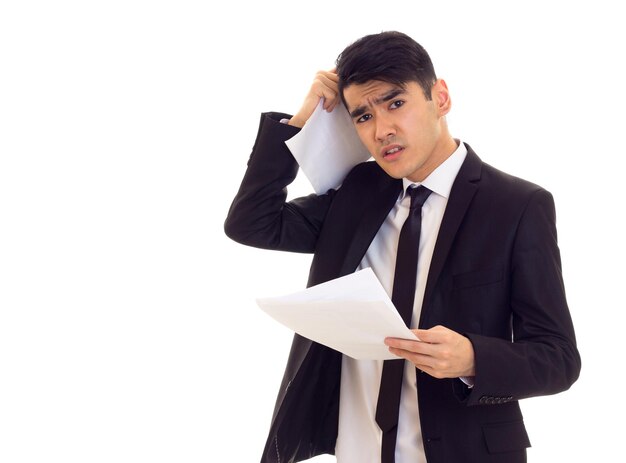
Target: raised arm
(259,215)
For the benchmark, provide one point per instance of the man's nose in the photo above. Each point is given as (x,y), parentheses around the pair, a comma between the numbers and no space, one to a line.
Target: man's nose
(384,128)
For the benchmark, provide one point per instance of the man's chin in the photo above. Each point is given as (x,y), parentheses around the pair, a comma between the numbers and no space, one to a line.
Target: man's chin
(392,171)
(389,169)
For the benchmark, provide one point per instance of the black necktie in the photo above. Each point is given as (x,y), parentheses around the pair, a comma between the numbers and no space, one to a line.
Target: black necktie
(403,296)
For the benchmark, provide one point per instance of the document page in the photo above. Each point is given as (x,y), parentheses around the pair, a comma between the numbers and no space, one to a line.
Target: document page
(327,148)
(352,314)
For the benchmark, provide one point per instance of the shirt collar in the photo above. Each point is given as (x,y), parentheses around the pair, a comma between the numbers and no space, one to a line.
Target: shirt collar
(441,179)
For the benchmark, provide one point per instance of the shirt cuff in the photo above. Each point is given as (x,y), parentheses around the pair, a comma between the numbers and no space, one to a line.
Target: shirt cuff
(468,380)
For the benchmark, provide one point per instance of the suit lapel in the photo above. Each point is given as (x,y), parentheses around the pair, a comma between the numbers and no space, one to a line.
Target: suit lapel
(461,195)
(385,194)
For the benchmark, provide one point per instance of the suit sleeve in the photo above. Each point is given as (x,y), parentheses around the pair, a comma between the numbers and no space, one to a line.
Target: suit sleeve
(259,215)
(542,357)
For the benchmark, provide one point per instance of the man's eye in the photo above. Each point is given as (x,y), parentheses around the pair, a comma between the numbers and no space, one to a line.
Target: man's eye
(396,104)
(363,118)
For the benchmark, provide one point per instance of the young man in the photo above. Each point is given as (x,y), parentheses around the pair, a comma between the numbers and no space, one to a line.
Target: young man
(485,293)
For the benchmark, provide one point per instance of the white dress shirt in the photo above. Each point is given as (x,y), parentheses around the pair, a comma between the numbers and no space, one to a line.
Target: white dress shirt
(359,438)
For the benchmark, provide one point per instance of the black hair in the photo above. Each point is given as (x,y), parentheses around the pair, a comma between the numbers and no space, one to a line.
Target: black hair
(391,57)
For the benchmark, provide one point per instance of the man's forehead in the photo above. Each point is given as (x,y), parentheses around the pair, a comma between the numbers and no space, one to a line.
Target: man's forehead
(371,89)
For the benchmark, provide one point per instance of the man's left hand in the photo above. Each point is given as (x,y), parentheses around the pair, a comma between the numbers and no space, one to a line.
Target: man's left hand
(440,352)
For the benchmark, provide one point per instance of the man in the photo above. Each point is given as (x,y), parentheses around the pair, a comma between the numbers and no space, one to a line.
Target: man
(486,296)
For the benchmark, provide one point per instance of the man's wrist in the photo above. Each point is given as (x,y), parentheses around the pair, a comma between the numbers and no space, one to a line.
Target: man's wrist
(295,122)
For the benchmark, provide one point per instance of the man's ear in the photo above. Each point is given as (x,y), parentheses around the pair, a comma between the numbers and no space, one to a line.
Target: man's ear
(441,97)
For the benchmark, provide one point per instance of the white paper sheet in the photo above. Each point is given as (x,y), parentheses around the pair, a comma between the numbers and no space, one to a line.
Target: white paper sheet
(327,148)
(352,314)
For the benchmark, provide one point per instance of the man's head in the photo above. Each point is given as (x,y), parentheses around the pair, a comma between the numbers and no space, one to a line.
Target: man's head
(391,57)
(388,85)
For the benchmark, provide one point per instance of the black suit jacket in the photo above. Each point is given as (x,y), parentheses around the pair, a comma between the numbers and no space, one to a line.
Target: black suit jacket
(495,276)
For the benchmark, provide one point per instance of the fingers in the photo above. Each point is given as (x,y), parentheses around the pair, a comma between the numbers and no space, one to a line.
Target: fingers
(422,361)
(437,334)
(332,74)
(326,86)
(441,352)
(419,347)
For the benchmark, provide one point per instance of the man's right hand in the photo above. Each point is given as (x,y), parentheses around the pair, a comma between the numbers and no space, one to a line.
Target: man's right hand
(324,86)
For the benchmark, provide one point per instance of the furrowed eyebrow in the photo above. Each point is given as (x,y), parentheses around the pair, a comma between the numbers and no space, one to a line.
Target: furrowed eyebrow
(390,95)
(358,112)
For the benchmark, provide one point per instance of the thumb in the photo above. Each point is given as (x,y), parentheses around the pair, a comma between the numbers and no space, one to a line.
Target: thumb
(431,335)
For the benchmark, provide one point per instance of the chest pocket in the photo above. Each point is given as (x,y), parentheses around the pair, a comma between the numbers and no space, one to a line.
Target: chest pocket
(477,278)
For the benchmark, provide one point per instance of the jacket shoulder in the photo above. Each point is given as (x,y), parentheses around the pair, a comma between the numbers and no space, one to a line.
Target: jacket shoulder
(504,179)
(367,173)
(510,190)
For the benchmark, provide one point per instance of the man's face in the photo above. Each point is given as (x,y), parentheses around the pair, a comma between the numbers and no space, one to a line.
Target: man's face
(404,132)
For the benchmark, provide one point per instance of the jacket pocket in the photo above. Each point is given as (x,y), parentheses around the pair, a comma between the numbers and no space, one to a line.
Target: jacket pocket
(477,278)
(506,437)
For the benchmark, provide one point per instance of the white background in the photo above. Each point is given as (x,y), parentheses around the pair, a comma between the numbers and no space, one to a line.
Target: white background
(128,328)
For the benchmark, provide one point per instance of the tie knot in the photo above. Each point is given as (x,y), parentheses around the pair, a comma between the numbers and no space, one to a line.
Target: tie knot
(419,195)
